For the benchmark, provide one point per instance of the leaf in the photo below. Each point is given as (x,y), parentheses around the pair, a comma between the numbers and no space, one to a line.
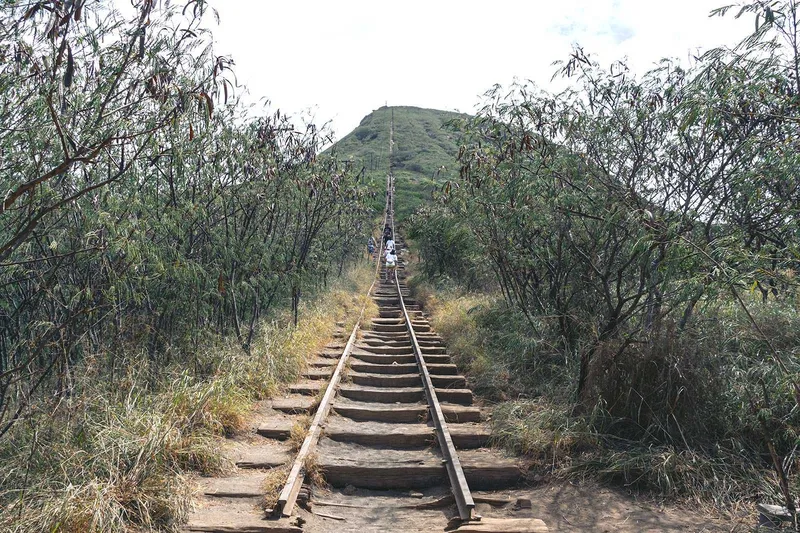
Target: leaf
(32,11)
(70,72)
(209,103)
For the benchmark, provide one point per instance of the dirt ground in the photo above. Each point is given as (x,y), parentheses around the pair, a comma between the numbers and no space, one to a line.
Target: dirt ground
(563,506)
(588,506)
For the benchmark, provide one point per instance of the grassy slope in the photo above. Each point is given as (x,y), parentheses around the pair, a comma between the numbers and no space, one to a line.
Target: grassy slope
(424,155)
(115,456)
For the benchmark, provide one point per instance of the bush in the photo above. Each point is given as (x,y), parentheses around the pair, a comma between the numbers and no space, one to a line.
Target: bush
(116,455)
(683,414)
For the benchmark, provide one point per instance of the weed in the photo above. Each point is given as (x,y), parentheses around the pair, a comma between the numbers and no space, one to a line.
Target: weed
(272,485)
(298,432)
(313,471)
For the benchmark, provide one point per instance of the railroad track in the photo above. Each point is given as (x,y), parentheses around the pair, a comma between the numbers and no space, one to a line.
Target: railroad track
(395,433)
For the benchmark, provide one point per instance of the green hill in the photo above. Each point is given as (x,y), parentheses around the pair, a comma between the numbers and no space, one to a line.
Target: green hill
(424,154)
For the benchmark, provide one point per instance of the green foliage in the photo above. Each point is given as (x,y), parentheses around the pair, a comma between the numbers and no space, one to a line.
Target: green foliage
(704,443)
(424,153)
(116,455)
(448,247)
(145,209)
(623,216)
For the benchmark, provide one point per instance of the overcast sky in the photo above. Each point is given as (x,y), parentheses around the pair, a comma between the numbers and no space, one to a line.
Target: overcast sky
(340,60)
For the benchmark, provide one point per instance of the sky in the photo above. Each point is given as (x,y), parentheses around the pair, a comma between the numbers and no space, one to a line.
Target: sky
(337,61)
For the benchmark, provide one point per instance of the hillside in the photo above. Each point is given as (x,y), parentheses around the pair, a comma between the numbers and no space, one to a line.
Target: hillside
(424,150)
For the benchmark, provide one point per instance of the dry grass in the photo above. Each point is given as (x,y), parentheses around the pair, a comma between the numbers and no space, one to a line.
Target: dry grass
(707,450)
(115,456)
(313,471)
(298,432)
(108,466)
(272,485)
(540,429)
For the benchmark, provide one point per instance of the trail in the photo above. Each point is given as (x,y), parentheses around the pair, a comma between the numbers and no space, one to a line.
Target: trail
(402,448)
(387,462)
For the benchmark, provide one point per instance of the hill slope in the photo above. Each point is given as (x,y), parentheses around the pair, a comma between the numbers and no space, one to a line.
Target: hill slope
(424,151)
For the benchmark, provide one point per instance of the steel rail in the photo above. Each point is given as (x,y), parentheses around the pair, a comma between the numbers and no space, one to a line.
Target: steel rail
(458,481)
(288,496)
(294,482)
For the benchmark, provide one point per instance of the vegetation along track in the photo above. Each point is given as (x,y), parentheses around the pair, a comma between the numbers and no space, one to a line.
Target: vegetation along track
(393,424)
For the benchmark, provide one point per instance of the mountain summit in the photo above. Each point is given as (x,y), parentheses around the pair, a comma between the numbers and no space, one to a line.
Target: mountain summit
(424,153)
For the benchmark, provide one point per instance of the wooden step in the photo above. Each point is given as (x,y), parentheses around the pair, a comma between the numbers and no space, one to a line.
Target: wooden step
(373,368)
(435,359)
(385,335)
(381,468)
(403,413)
(403,394)
(237,516)
(382,359)
(424,343)
(394,328)
(317,374)
(429,337)
(389,321)
(405,380)
(406,368)
(263,456)
(387,350)
(293,404)
(307,388)
(387,380)
(322,363)
(364,394)
(404,341)
(503,525)
(465,436)
(440,369)
(432,350)
(275,429)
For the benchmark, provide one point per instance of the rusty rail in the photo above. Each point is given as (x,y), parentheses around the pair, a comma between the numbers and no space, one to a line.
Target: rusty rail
(458,481)
(294,482)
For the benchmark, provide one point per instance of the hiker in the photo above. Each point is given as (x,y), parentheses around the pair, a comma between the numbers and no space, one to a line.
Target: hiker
(387,234)
(389,246)
(371,247)
(391,264)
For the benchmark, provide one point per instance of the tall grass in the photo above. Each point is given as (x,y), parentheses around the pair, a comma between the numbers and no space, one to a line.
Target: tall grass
(116,454)
(683,415)
(493,344)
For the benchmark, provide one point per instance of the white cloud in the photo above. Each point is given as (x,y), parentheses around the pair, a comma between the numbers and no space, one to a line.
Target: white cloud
(343,59)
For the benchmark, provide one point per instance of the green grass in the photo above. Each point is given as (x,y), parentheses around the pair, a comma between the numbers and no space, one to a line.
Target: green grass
(424,154)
